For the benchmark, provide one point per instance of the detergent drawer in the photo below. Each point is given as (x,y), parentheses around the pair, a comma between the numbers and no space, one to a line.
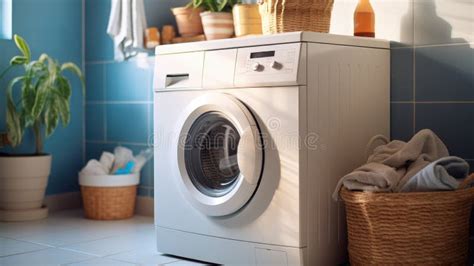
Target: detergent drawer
(178,71)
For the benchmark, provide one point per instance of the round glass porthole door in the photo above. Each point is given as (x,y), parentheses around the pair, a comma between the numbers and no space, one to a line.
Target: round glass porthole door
(220,156)
(211,154)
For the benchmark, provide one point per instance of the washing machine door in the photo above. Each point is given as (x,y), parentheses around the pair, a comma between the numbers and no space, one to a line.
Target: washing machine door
(220,154)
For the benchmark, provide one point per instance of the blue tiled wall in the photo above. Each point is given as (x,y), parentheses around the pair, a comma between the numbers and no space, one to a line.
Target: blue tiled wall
(119,101)
(53,27)
(433,75)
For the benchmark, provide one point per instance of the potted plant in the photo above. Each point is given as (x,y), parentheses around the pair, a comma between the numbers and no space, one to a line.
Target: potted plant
(188,20)
(217,18)
(43,100)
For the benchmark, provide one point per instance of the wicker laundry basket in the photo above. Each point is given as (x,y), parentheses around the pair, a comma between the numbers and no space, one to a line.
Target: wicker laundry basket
(295,15)
(423,228)
(110,197)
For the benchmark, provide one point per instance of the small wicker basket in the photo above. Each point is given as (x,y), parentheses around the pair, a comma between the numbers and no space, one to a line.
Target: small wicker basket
(109,197)
(109,203)
(295,15)
(408,228)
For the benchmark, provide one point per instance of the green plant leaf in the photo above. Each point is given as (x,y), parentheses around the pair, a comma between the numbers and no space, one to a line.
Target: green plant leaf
(77,71)
(15,131)
(40,100)
(64,111)
(51,118)
(18,60)
(23,47)
(211,5)
(45,95)
(28,96)
(64,88)
(197,3)
(11,85)
(221,4)
(43,58)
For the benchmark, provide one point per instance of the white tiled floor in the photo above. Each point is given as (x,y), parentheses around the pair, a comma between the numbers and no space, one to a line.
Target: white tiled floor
(66,238)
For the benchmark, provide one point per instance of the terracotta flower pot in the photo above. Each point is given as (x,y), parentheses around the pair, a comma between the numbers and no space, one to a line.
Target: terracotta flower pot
(247,20)
(188,21)
(217,25)
(23,181)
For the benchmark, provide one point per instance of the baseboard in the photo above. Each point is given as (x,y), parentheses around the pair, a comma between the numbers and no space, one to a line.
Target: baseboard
(72,200)
(144,206)
(63,201)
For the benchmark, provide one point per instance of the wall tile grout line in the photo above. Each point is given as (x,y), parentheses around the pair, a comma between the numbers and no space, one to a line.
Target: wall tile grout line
(119,102)
(433,102)
(116,142)
(414,66)
(445,102)
(148,112)
(101,62)
(110,62)
(83,51)
(444,44)
(104,89)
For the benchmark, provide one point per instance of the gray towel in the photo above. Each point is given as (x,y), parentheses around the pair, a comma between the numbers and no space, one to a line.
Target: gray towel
(443,174)
(392,165)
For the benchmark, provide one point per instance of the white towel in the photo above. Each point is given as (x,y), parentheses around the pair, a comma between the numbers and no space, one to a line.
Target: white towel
(93,168)
(127,25)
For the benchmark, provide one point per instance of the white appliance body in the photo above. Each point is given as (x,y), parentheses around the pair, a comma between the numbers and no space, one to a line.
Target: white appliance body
(251,137)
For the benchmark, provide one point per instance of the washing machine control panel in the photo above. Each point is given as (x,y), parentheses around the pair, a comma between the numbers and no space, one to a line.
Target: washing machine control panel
(269,65)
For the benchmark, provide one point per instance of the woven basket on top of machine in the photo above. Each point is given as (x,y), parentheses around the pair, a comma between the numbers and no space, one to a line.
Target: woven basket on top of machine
(295,15)
(416,228)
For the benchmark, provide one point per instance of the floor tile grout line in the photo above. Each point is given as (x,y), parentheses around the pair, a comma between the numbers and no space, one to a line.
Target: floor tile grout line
(64,245)
(26,252)
(84,242)
(77,261)
(26,241)
(127,261)
(95,256)
(91,256)
(121,252)
(30,241)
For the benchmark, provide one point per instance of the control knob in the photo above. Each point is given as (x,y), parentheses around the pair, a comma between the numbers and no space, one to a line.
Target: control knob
(276,65)
(257,67)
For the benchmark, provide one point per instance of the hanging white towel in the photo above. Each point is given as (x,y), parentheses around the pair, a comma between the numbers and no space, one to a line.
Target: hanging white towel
(139,23)
(127,24)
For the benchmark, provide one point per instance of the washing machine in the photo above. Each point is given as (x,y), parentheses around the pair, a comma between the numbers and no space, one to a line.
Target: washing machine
(251,136)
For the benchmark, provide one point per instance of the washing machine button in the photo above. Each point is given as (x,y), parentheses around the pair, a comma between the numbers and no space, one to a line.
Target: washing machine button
(257,67)
(276,65)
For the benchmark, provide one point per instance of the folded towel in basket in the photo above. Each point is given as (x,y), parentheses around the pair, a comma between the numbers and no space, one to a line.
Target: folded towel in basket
(444,174)
(393,164)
